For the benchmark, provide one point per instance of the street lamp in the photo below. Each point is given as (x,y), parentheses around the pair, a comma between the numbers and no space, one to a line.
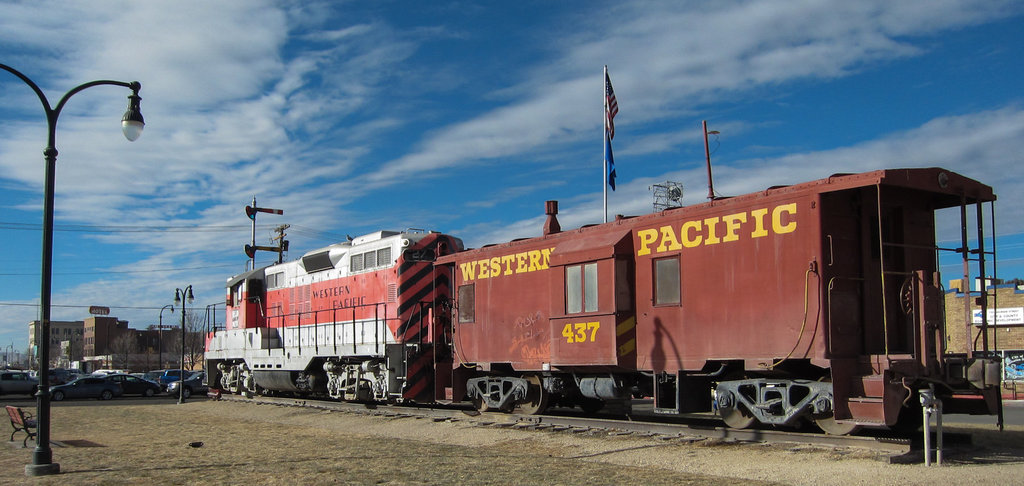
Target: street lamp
(179,298)
(160,337)
(131,125)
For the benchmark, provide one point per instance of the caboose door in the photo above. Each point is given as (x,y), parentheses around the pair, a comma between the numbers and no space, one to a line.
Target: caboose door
(846,262)
(592,316)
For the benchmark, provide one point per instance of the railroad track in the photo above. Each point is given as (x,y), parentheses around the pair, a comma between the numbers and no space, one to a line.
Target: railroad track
(893,449)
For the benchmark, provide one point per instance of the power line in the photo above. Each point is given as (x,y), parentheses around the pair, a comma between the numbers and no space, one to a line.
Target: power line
(107,228)
(71,306)
(114,272)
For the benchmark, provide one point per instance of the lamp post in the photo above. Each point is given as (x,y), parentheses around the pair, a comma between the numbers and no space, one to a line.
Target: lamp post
(131,124)
(179,298)
(160,337)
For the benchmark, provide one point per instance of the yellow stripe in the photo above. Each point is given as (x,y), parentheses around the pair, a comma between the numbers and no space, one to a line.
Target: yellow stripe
(628,347)
(625,326)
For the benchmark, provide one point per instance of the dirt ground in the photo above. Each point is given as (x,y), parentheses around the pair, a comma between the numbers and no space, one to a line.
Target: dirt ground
(138,442)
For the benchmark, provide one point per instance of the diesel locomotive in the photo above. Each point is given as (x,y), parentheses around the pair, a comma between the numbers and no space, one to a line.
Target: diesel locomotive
(817,302)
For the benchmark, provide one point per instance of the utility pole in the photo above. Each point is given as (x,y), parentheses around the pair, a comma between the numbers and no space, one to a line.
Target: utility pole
(282,244)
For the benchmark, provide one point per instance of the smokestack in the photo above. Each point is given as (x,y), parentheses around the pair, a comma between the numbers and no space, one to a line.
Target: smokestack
(551,226)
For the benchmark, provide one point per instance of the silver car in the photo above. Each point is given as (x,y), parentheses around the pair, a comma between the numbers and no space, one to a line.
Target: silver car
(18,382)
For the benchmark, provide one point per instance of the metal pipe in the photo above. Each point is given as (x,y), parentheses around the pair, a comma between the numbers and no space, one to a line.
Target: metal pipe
(965,252)
(707,158)
(881,269)
(980,223)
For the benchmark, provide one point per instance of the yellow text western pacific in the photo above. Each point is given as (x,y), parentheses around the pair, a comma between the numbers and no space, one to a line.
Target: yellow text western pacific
(756,223)
(527,261)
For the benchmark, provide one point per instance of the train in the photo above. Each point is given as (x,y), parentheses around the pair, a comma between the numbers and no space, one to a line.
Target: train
(815,303)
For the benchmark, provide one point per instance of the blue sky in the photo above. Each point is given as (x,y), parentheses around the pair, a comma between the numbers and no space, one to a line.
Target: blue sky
(463,117)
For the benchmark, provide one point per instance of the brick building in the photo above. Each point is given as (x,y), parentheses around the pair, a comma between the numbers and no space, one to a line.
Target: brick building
(1005,304)
(100,334)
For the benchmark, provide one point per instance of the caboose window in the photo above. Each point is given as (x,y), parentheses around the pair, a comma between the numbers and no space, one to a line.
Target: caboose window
(581,288)
(467,303)
(666,281)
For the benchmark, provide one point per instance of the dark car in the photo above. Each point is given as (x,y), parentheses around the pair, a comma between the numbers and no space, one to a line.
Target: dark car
(133,385)
(101,387)
(18,382)
(191,385)
(153,375)
(170,376)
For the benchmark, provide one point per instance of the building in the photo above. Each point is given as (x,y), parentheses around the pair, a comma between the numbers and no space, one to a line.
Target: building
(66,340)
(100,334)
(104,342)
(1005,304)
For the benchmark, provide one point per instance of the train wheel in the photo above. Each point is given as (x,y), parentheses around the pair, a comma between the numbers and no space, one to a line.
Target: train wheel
(831,427)
(536,397)
(480,405)
(737,417)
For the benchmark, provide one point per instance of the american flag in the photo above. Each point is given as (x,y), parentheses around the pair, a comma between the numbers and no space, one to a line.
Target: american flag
(611,106)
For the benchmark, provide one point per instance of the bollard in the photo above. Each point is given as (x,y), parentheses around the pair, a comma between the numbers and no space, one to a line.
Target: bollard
(929,406)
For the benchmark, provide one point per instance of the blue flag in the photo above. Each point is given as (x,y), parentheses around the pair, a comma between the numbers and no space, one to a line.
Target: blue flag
(610,160)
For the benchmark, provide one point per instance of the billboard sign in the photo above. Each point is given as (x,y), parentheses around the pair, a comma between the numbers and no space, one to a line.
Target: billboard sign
(1003,316)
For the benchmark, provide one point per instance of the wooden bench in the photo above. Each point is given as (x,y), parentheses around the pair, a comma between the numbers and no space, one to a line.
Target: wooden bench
(22,421)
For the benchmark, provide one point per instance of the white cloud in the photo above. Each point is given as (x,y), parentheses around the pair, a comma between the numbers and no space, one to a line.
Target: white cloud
(242,98)
(975,145)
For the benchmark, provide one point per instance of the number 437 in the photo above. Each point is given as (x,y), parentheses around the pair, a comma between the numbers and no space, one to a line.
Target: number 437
(577,333)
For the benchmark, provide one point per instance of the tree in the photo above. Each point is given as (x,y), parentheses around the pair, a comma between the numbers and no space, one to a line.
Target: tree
(122,348)
(195,339)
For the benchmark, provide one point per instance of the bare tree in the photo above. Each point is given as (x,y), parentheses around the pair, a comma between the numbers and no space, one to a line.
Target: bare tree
(195,339)
(123,347)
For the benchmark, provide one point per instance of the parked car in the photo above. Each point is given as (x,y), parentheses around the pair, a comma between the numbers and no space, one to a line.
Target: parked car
(60,376)
(18,382)
(101,387)
(154,375)
(133,385)
(196,383)
(171,376)
(108,372)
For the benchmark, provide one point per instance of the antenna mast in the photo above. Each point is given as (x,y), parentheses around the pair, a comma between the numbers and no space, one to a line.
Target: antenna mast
(707,156)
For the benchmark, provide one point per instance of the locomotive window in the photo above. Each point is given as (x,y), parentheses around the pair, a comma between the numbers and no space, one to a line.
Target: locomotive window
(666,281)
(581,288)
(275,280)
(384,256)
(467,303)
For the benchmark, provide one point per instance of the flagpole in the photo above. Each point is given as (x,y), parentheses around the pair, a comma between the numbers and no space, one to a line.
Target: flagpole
(604,173)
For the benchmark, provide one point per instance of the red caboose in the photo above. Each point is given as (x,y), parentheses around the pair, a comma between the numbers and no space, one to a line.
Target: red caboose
(816,301)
